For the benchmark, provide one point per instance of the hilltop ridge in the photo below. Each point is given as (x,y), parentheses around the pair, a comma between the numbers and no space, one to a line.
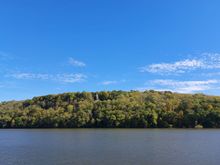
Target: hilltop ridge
(113,109)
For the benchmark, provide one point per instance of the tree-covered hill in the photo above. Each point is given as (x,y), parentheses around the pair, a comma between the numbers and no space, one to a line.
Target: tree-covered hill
(115,109)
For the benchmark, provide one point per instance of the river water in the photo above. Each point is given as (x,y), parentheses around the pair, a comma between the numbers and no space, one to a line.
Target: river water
(109,146)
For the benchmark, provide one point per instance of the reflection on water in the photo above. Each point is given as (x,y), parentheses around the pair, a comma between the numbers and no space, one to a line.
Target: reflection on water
(109,146)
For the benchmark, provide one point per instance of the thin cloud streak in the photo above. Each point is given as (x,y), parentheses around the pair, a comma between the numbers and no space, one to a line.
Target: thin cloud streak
(180,86)
(70,78)
(64,78)
(76,63)
(108,82)
(186,86)
(112,82)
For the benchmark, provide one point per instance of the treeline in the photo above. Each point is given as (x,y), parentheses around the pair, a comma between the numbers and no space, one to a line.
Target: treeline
(115,109)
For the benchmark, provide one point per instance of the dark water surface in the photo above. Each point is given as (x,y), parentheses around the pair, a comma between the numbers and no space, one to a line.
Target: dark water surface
(110,146)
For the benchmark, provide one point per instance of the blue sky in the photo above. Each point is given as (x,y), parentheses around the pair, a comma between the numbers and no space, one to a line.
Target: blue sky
(56,46)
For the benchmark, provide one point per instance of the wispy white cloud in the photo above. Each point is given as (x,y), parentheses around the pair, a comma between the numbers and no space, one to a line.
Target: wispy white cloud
(185,86)
(108,82)
(205,61)
(111,82)
(64,78)
(180,86)
(29,76)
(211,60)
(76,63)
(70,78)
(183,83)
(211,74)
(178,67)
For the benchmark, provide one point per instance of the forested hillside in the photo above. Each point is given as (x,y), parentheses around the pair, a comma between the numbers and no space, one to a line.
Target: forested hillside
(115,109)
